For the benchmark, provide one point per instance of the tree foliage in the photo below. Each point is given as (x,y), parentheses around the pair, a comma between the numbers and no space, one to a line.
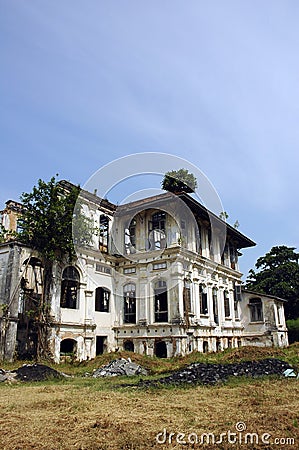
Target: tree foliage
(179,181)
(47,220)
(46,223)
(278,274)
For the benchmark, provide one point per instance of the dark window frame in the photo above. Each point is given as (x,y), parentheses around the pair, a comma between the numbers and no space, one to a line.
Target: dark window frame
(226,301)
(256,309)
(104,233)
(70,285)
(203,301)
(157,224)
(161,301)
(129,296)
(215,306)
(102,299)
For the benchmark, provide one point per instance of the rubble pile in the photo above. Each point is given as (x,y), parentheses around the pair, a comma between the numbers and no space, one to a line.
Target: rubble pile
(36,372)
(204,373)
(3,376)
(120,367)
(7,375)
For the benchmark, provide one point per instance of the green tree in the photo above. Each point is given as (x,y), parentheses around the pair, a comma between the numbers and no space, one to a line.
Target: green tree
(278,274)
(45,224)
(179,181)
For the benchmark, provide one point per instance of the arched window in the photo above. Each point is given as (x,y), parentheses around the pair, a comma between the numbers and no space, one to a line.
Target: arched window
(102,298)
(70,288)
(130,303)
(256,310)
(157,236)
(161,303)
(68,347)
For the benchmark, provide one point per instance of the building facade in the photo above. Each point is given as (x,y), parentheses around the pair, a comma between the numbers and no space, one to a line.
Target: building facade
(161,278)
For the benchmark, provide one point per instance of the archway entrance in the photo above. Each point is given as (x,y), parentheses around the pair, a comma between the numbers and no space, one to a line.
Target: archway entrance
(161,349)
(68,347)
(205,346)
(129,346)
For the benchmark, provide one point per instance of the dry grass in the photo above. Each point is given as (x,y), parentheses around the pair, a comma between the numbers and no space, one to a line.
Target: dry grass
(97,414)
(92,415)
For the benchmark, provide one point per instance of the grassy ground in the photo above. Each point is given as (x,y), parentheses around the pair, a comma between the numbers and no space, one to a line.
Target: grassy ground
(86,413)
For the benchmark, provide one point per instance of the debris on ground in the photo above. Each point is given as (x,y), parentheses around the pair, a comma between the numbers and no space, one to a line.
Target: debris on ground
(120,367)
(290,373)
(205,373)
(7,375)
(36,372)
(3,376)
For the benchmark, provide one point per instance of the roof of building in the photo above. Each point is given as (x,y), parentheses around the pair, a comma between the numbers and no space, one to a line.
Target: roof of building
(157,201)
(261,294)
(201,211)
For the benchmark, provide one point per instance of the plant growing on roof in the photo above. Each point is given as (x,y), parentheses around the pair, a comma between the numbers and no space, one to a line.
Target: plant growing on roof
(179,181)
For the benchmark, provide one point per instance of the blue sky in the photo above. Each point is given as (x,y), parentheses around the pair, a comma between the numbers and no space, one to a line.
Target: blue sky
(215,82)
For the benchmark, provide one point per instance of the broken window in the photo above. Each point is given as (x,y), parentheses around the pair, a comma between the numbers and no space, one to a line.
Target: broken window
(280,315)
(31,285)
(237,299)
(203,300)
(130,303)
(102,299)
(70,288)
(211,244)
(104,233)
(130,237)
(236,309)
(238,292)
(215,306)
(198,239)
(161,302)
(256,310)
(226,304)
(157,236)
(233,255)
(187,298)
(224,256)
